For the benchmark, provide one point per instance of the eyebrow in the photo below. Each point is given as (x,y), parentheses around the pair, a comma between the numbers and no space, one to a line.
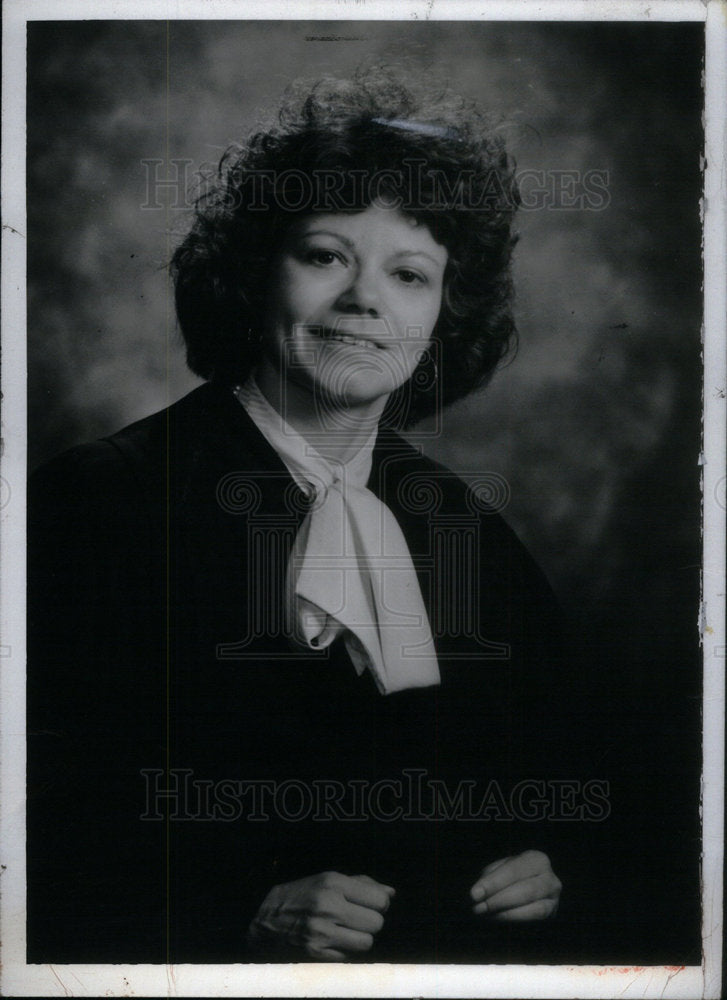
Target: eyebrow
(352,246)
(417,253)
(329,232)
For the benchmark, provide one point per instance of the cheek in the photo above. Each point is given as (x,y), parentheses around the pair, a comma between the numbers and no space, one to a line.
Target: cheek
(423,314)
(288,294)
(426,320)
(436,307)
(303,301)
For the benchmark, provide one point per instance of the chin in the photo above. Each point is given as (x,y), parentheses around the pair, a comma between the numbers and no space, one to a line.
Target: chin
(358,390)
(360,381)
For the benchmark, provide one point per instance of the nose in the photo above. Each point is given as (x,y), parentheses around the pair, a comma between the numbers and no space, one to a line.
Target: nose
(361,295)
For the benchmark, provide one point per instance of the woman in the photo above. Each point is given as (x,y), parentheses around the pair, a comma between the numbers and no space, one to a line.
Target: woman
(288,668)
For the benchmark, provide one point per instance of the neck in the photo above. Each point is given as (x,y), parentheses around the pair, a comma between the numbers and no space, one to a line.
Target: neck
(336,433)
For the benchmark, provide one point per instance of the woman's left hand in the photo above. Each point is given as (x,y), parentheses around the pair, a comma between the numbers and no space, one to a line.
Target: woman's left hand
(522,887)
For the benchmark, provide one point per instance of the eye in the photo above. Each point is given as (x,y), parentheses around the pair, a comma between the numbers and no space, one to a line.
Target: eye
(324,258)
(408,277)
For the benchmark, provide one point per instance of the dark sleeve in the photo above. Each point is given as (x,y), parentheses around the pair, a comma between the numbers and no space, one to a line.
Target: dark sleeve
(550,789)
(562,803)
(95,704)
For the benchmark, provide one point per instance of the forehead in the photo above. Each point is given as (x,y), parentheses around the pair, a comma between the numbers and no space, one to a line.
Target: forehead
(378,226)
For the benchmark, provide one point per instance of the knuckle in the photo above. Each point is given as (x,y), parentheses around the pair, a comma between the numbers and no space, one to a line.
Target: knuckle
(377,922)
(324,901)
(314,930)
(334,880)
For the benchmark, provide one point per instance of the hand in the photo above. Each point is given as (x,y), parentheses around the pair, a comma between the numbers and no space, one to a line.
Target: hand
(517,888)
(329,916)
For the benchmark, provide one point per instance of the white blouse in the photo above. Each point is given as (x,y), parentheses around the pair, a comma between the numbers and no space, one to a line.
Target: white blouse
(350,569)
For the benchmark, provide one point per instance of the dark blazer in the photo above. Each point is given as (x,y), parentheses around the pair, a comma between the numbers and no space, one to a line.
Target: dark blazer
(183,758)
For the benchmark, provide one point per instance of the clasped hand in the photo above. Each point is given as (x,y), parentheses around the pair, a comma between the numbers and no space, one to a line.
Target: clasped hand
(519,888)
(331,917)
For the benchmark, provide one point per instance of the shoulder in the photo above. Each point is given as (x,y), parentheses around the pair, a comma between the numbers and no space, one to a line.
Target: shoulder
(123,464)
(150,470)
(422,484)
(403,468)
(67,487)
(421,489)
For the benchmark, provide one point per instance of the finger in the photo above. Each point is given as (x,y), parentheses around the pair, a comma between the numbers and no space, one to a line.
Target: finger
(519,894)
(367,878)
(486,871)
(542,909)
(513,870)
(347,940)
(366,893)
(360,918)
(328,955)
(495,865)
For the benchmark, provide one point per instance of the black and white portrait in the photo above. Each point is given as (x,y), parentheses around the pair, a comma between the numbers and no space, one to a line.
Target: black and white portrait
(365,453)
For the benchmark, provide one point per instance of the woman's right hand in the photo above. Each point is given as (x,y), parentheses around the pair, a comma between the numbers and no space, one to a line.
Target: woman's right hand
(328,916)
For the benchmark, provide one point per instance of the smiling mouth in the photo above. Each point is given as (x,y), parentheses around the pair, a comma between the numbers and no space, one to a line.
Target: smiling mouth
(326,333)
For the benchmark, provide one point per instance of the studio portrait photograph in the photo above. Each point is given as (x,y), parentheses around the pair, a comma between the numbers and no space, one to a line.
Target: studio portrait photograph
(364,593)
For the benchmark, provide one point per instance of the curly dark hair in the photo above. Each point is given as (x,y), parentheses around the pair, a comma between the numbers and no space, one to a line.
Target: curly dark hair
(337,146)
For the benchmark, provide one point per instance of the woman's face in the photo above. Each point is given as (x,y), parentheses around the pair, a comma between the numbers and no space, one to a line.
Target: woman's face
(353,302)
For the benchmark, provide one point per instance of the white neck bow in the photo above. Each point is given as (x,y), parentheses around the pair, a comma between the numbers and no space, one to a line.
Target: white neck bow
(350,569)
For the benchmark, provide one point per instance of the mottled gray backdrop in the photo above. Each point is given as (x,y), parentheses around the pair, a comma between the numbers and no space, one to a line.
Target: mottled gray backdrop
(595,425)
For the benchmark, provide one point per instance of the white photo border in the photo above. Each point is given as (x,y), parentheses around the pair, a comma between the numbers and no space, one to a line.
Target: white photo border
(20,979)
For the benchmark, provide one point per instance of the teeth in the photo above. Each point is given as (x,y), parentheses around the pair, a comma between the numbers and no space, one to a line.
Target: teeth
(347,338)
